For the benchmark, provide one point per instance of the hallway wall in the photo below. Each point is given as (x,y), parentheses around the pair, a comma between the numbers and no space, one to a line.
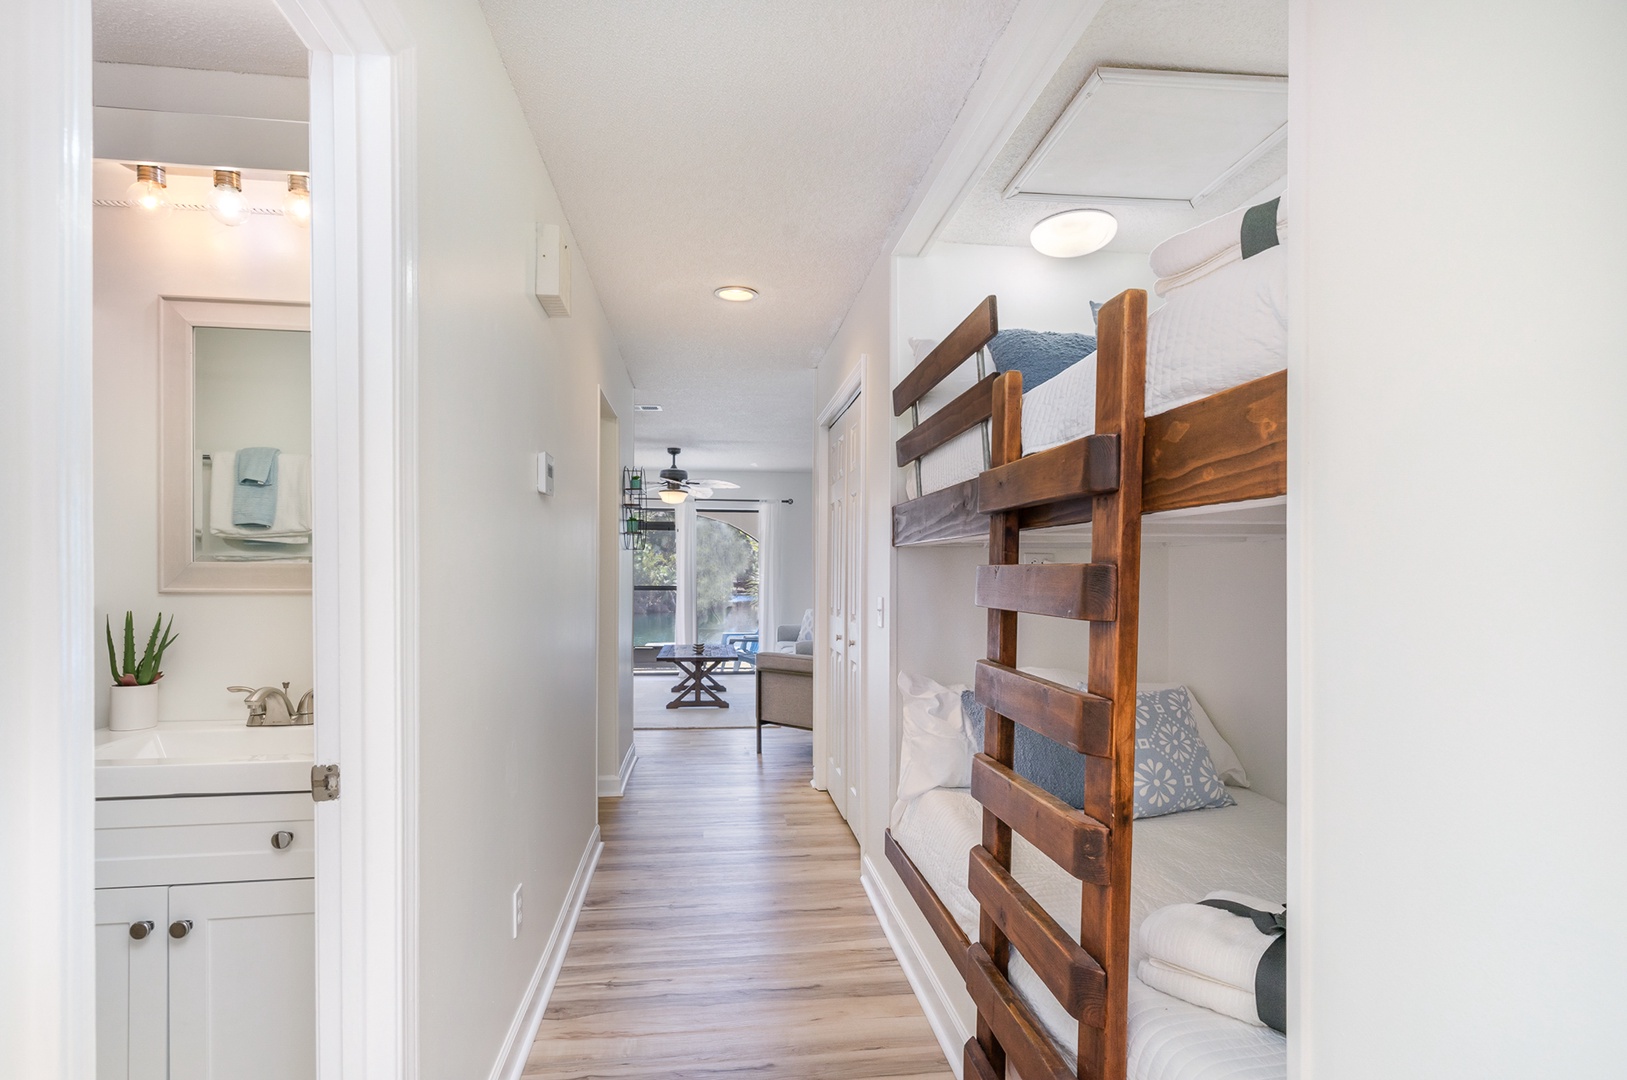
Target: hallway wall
(509,593)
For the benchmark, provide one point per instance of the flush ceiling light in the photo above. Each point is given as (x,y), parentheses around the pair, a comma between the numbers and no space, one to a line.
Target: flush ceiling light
(672,496)
(150,192)
(226,202)
(296,205)
(738,294)
(1073,233)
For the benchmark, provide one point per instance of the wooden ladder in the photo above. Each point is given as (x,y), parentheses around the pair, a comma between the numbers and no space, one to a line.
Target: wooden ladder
(1089,977)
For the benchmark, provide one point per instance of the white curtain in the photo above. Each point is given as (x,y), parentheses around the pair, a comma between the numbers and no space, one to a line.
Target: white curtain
(768,572)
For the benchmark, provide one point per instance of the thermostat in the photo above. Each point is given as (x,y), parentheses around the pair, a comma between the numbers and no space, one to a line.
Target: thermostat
(545,473)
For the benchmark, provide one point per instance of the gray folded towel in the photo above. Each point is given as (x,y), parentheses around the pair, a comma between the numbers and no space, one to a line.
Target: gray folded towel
(254,498)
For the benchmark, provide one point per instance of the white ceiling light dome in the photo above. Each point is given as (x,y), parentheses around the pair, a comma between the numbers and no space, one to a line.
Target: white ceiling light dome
(738,294)
(1073,233)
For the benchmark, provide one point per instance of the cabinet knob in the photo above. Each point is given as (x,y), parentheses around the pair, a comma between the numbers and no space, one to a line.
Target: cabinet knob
(180,928)
(282,839)
(139,930)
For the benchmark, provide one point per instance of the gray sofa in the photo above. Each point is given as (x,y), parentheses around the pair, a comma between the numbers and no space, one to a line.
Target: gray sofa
(785,640)
(784,691)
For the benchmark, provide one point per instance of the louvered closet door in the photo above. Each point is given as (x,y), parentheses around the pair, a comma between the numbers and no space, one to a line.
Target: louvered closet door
(853,521)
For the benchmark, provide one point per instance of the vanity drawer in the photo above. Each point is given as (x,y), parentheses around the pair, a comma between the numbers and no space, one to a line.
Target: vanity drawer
(181,841)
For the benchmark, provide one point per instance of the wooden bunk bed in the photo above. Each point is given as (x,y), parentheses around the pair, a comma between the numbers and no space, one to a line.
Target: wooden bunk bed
(1228,447)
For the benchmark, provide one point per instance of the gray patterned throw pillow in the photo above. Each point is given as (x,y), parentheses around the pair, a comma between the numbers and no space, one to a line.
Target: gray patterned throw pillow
(1173,769)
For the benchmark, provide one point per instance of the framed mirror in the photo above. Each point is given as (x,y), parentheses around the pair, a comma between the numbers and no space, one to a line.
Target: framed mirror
(234,426)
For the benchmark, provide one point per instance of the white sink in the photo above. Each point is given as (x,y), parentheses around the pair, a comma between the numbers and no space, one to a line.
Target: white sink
(202,757)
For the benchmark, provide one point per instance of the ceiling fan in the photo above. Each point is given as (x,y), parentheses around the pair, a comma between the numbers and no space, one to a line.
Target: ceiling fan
(676,485)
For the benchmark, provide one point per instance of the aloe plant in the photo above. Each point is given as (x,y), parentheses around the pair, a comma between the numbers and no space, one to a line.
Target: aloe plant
(148,669)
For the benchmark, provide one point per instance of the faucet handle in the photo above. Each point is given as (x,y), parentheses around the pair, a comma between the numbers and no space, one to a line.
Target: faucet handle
(240,689)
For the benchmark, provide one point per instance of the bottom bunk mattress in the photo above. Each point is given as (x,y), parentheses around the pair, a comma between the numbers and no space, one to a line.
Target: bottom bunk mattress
(1178,858)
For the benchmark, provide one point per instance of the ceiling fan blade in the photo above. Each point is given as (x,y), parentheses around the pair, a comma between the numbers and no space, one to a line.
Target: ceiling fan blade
(721,485)
(700,491)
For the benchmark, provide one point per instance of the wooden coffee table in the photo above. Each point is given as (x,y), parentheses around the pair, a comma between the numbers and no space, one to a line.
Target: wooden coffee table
(697,685)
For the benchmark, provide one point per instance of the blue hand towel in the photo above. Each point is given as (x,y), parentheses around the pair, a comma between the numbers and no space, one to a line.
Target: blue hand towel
(1041,355)
(254,498)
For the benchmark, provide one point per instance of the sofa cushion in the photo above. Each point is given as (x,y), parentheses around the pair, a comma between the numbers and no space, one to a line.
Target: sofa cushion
(789,663)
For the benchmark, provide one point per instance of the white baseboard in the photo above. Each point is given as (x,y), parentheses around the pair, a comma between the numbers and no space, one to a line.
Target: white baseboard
(614,787)
(929,989)
(523,1031)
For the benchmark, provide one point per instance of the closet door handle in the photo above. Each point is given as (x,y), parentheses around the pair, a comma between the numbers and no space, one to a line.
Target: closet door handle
(282,839)
(180,928)
(140,930)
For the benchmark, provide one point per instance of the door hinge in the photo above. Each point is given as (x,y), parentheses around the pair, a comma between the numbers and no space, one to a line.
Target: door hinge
(324,783)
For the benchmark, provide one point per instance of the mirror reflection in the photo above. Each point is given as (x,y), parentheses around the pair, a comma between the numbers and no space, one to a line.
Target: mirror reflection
(251,439)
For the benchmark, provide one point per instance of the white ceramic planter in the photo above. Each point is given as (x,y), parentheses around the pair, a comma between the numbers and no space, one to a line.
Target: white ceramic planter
(134,708)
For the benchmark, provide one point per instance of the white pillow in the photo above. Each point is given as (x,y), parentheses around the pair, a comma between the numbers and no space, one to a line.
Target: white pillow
(935,748)
(805,631)
(1227,763)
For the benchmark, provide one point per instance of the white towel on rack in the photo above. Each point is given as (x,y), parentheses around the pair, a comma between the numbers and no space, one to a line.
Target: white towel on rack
(292,524)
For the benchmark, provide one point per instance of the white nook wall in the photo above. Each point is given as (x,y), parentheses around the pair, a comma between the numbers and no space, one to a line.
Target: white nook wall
(1457,585)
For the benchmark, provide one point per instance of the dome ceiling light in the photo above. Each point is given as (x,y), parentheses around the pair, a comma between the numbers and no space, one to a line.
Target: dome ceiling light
(738,294)
(1073,233)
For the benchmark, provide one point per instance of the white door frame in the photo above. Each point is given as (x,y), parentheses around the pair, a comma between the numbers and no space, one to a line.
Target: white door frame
(365,599)
(851,387)
(365,594)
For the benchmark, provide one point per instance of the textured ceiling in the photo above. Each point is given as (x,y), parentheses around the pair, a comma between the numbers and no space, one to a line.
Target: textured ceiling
(212,35)
(770,143)
(1246,37)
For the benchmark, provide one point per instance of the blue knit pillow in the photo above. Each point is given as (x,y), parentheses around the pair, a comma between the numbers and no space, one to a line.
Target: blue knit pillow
(1040,355)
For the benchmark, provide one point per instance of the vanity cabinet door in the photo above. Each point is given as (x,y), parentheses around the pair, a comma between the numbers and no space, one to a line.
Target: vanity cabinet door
(241,1003)
(132,992)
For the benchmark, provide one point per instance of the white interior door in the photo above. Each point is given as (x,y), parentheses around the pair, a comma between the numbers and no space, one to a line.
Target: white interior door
(845,608)
(240,981)
(132,974)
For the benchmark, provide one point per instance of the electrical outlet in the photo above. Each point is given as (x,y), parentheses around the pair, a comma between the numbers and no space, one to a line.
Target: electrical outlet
(1033,557)
(519,911)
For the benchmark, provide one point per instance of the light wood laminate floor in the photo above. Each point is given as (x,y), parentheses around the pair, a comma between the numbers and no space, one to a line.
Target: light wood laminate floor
(725,932)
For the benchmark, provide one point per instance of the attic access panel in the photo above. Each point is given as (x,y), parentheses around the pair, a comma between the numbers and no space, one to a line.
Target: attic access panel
(1155,137)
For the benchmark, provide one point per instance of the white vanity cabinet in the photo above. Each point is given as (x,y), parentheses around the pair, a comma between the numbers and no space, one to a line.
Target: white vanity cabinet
(222,983)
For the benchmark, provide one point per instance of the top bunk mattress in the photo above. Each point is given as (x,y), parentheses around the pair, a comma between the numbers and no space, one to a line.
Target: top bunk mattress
(1177,859)
(1224,322)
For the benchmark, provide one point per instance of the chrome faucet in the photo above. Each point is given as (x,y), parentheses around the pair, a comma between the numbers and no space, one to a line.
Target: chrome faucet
(304,713)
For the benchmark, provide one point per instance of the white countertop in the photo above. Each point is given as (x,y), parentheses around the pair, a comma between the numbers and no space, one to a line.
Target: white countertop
(202,757)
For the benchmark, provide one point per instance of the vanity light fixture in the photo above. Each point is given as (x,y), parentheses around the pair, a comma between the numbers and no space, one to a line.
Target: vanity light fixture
(1073,233)
(296,205)
(672,496)
(226,202)
(738,294)
(150,192)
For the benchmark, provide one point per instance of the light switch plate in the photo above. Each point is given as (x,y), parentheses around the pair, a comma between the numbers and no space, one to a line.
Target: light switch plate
(545,473)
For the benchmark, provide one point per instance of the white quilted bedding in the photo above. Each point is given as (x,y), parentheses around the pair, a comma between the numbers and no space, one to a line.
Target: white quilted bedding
(1178,859)
(1221,330)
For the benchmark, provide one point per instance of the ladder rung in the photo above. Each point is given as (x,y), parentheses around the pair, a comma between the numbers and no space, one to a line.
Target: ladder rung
(1077,720)
(1024,1041)
(1071,838)
(1062,964)
(1064,590)
(1087,466)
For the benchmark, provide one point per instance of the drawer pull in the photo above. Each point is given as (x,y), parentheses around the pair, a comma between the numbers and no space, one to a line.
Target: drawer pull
(139,930)
(180,928)
(282,839)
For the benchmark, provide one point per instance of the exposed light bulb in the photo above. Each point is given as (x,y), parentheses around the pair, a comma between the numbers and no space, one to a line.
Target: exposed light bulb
(296,205)
(226,202)
(673,496)
(150,191)
(1073,233)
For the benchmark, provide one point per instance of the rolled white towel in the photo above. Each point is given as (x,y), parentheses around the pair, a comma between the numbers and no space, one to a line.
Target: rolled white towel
(1206,955)
(1195,254)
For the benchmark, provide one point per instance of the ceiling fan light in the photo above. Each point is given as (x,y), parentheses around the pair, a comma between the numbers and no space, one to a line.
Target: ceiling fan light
(673,496)
(1073,233)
